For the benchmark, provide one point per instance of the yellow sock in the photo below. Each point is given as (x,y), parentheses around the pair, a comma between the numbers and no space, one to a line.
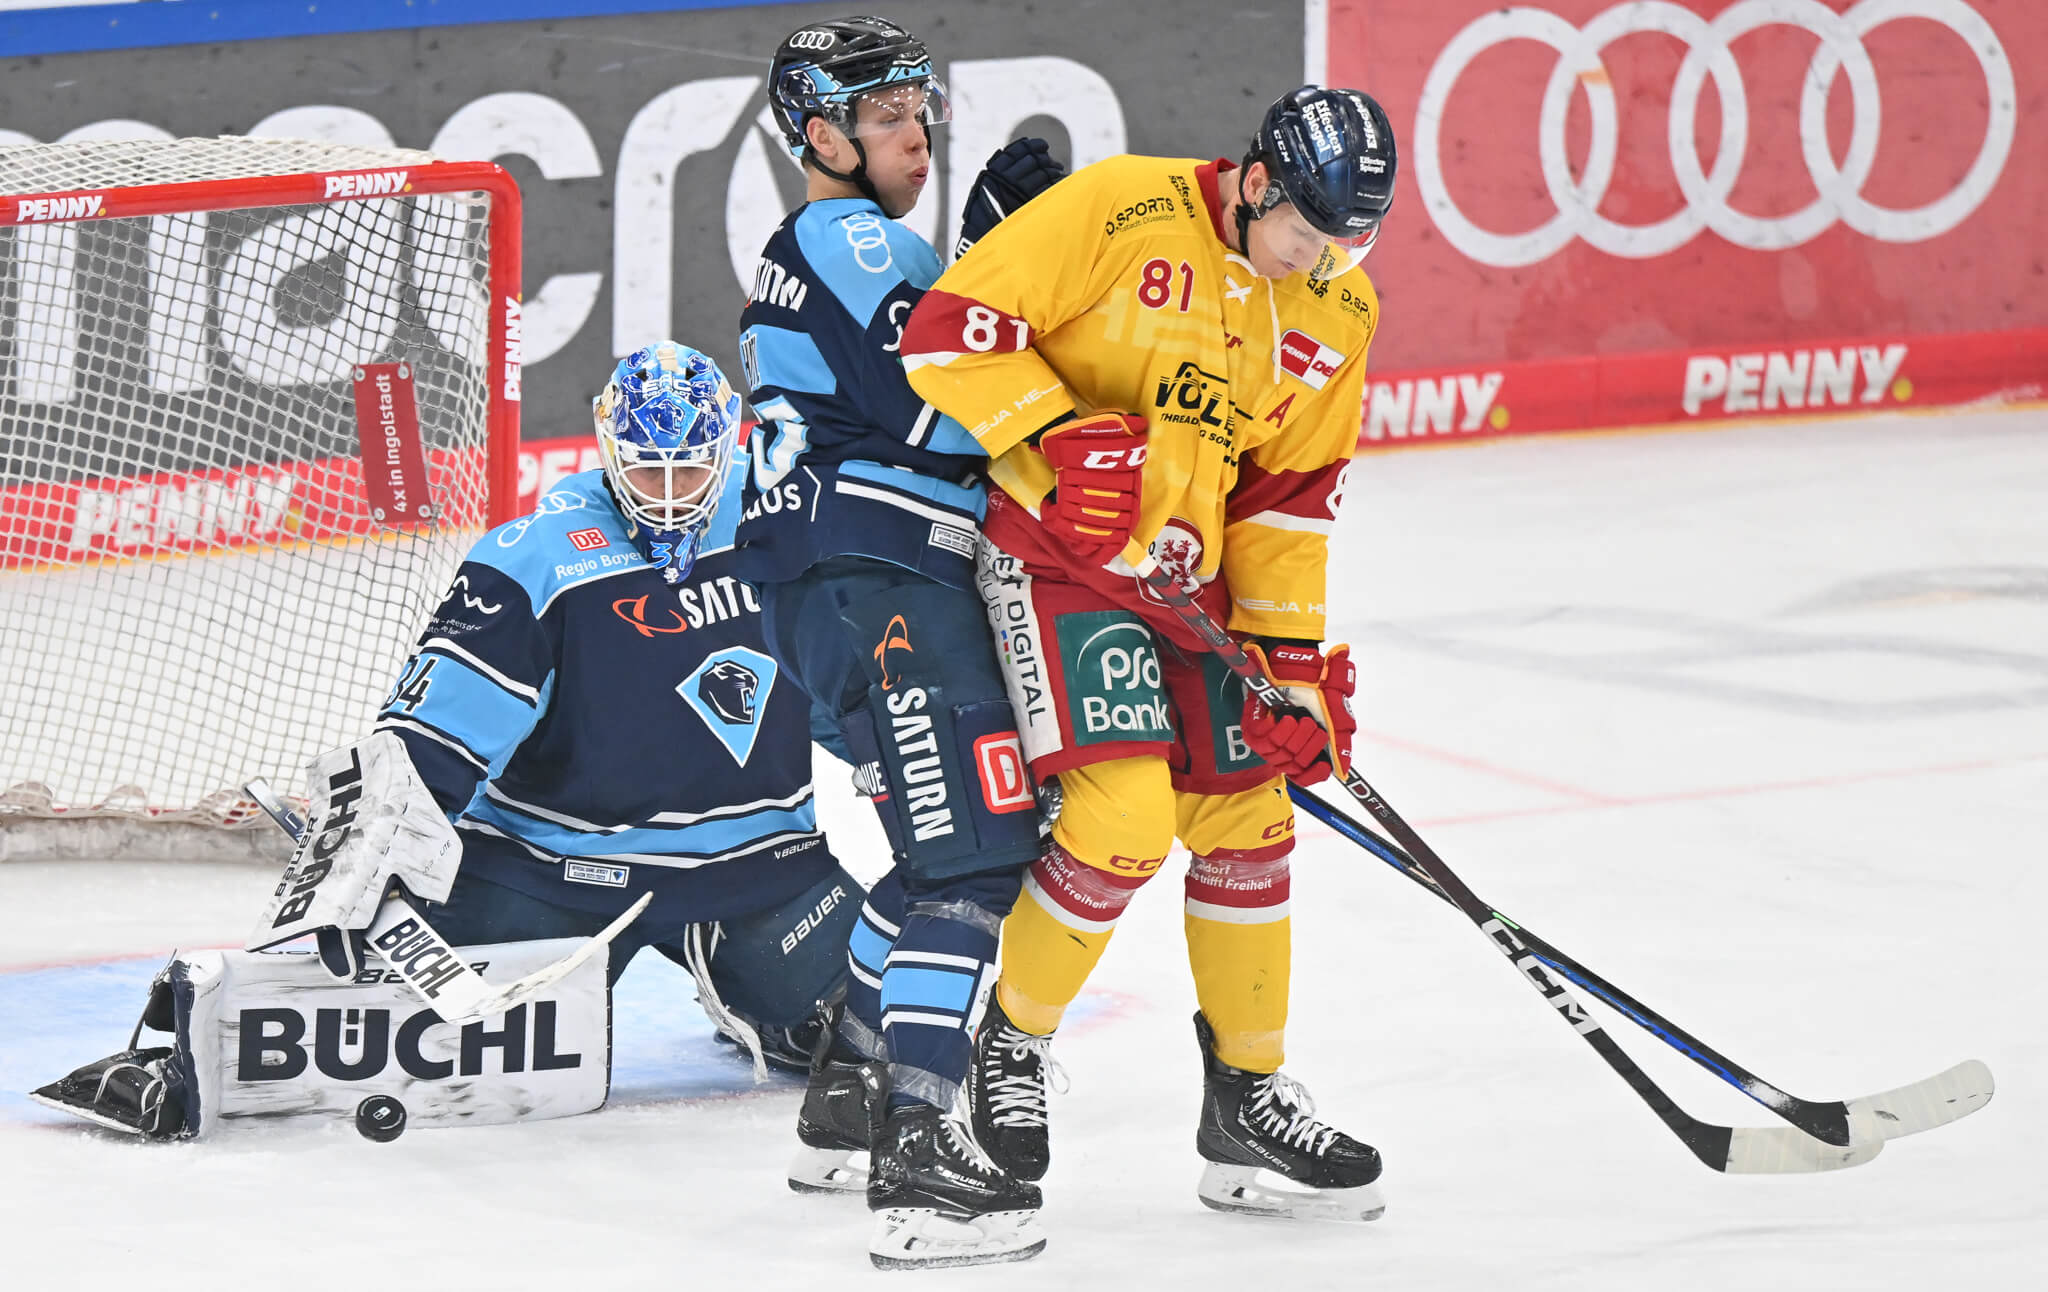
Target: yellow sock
(1112,835)
(1045,964)
(1240,948)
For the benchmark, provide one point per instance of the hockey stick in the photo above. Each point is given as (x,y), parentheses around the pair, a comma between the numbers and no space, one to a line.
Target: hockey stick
(422,958)
(1908,1110)
(1733,1149)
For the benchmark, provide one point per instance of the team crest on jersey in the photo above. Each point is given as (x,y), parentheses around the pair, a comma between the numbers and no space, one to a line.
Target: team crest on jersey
(1178,549)
(1308,358)
(729,690)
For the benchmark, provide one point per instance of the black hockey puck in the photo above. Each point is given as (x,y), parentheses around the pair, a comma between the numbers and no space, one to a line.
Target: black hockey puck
(380,1118)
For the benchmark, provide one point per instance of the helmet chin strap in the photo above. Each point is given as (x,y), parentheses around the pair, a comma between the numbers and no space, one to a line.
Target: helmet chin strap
(858,176)
(1246,213)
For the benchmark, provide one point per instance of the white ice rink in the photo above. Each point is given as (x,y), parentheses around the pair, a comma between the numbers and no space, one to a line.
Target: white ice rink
(1753,722)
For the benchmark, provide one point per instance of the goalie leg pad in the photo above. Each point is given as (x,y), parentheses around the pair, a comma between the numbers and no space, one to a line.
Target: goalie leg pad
(288,1049)
(777,972)
(776,967)
(267,1035)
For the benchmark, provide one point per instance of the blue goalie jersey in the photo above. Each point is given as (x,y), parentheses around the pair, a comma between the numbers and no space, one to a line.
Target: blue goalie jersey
(847,458)
(595,733)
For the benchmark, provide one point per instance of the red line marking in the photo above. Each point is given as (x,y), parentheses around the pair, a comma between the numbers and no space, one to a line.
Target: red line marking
(1737,791)
(1490,769)
(110,958)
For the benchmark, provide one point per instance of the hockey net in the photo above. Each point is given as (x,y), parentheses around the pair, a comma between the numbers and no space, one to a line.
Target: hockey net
(203,578)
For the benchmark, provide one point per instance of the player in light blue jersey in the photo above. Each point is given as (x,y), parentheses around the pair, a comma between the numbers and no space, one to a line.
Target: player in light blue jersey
(593,711)
(863,512)
(593,707)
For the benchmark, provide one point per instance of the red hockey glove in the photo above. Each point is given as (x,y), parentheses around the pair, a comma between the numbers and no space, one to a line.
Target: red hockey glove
(1305,739)
(1099,461)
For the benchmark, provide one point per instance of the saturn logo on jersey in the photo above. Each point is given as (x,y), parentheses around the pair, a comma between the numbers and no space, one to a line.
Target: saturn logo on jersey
(895,637)
(634,611)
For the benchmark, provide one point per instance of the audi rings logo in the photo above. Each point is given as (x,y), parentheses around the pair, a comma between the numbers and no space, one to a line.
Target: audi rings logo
(1706,194)
(864,233)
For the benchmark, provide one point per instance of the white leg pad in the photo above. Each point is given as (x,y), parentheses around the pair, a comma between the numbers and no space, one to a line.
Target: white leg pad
(271,1034)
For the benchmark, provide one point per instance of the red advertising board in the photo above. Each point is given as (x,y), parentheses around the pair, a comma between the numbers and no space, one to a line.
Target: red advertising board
(160,514)
(1635,213)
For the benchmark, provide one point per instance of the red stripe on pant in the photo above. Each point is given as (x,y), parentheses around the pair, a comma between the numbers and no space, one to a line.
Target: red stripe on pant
(1244,885)
(1076,892)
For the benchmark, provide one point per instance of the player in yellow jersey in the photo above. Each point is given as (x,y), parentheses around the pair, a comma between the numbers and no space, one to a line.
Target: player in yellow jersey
(1171,351)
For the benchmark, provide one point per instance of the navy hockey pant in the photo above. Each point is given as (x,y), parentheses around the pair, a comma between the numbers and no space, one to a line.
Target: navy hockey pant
(906,667)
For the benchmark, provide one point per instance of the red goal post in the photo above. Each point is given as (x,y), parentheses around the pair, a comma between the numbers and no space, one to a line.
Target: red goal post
(202,578)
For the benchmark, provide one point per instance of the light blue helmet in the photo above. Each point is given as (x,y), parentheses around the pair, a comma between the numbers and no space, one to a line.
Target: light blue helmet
(667,423)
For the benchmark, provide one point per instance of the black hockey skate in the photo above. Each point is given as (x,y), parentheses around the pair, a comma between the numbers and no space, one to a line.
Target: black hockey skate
(939,1201)
(1006,1092)
(137,1092)
(842,1110)
(1264,1121)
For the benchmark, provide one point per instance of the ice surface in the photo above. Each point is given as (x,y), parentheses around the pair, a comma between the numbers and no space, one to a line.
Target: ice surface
(1753,722)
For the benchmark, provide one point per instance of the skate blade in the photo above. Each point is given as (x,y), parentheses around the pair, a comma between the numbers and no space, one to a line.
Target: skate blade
(920,1238)
(829,1170)
(85,1113)
(1240,1189)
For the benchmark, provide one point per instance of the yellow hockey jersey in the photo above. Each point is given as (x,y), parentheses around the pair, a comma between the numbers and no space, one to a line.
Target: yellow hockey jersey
(1116,289)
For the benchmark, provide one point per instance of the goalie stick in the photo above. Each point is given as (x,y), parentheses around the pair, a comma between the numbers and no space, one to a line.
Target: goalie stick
(1730,1149)
(403,939)
(1908,1110)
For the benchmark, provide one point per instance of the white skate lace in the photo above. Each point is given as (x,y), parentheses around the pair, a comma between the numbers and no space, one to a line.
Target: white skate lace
(1018,1099)
(1285,1111)
(963,1144)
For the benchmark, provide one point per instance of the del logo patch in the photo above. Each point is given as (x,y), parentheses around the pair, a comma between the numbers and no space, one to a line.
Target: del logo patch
(729,690)
(1308,358)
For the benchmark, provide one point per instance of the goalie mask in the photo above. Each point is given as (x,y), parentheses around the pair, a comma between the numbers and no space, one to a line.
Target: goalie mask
(667,423)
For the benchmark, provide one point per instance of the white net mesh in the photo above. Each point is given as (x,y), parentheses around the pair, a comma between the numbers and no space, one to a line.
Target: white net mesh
(132,163)
(193,590)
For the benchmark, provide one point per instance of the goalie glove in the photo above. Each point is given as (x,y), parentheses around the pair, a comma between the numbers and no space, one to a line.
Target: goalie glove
(373,824)
(1098,463)
(1304,740)
(1017,172)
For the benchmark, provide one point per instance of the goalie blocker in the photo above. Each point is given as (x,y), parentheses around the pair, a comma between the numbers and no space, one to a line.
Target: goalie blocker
(275,1034)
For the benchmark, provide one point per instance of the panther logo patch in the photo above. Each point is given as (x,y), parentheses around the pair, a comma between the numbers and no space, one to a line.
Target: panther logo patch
(729,690)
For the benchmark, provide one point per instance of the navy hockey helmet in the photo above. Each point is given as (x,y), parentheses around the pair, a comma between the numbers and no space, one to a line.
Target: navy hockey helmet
(1331,155)
(822,70)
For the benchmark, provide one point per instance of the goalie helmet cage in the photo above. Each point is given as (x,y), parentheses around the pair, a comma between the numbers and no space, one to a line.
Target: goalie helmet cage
(194,588)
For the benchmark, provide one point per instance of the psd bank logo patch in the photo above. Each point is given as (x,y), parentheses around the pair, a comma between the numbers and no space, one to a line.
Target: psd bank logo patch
(729,690)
